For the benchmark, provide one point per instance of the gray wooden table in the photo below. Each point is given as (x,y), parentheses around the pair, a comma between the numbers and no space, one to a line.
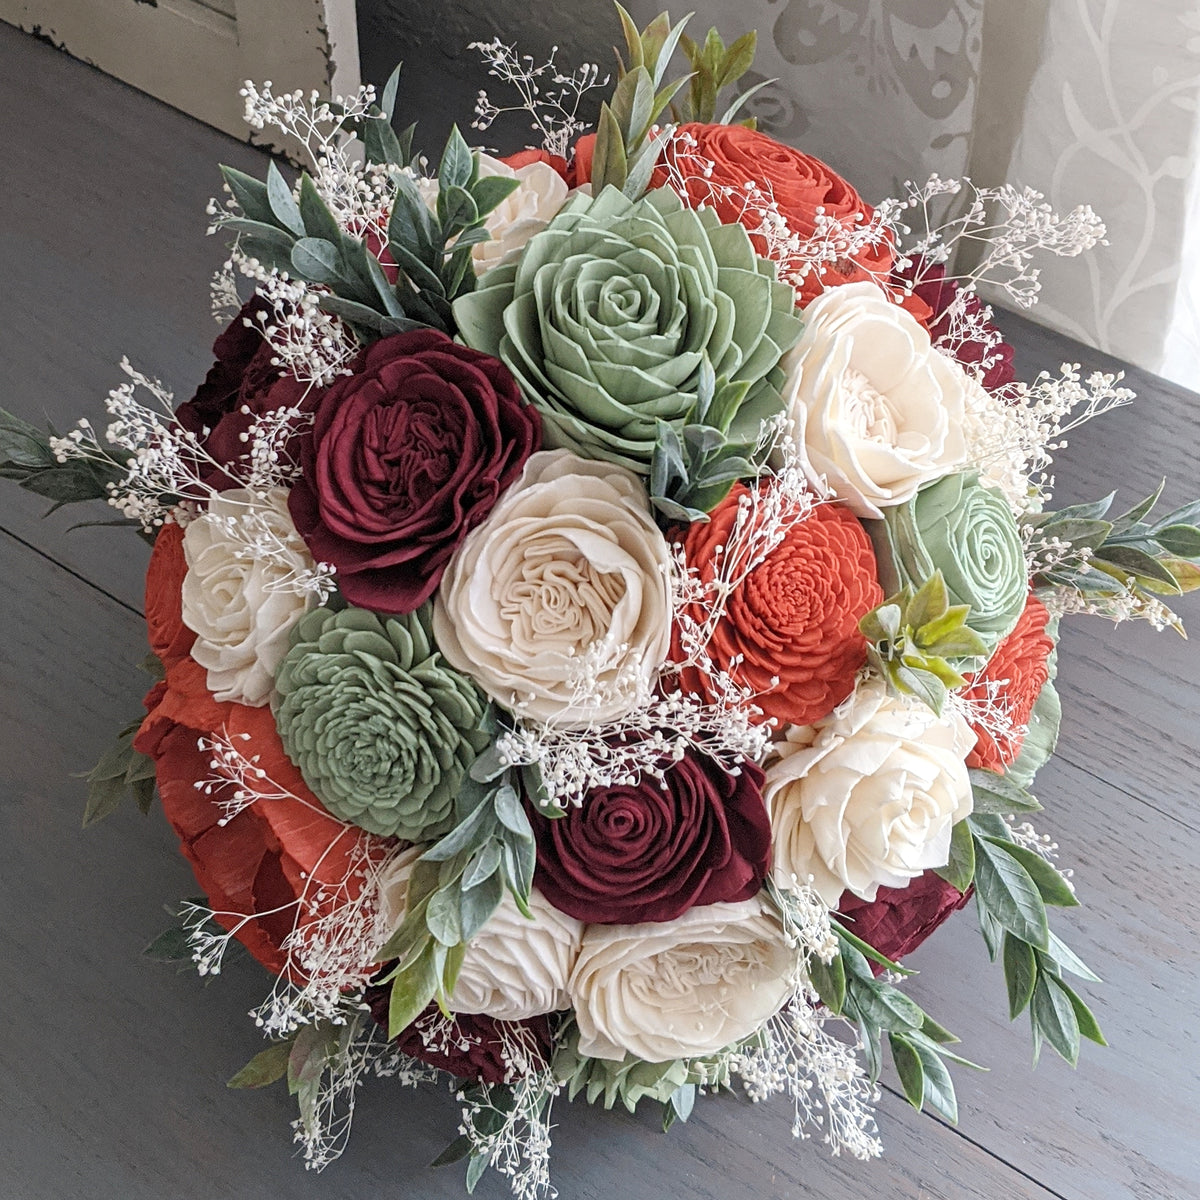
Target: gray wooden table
(113,1067)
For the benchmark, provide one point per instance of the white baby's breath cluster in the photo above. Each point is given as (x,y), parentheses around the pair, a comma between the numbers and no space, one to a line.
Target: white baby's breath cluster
(1005,228)
(327,1110)
(798,255)
(549,96)
(1023,426)
(796,1056)
(986,706)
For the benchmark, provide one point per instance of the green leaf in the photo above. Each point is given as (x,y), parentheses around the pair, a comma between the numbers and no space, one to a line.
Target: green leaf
(455,1152)
(937,1033)
(1180,540)
(482,865)
(1054,1017)
(457,165)
(1139,563)
(509,811)
(1010,895)
(1053,888)
(120,769)
(1089,1027)
(318,221)
(738,59)
(171,946)
(996,794)
(283,203)
(939,1087)
(960,870)
(908,1068)
(412,990)
(250,194)
(989,927)
(492,190)
(475,1169)
(463,836)
(829,980)
(442,916)
(456,209)
(1066,958)
(683,1100)
(867,950)
(1140,510)
(1020,974)
(477,905)
(265,1068)
(609,164)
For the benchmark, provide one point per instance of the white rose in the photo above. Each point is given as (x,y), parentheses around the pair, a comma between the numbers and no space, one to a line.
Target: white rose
(235,594)
(539,194)
(513,967)
(516,968)
(868,795)
(876,408)
(558,605)
(685,987)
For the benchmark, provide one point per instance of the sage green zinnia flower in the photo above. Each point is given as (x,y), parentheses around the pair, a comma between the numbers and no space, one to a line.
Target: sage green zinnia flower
(968,532)
(607,316)
(382,730)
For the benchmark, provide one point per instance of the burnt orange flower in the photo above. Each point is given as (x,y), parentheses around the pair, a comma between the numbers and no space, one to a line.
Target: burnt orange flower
(169,638)
(789,631)
(1014,676)
(279,863)
(802,187)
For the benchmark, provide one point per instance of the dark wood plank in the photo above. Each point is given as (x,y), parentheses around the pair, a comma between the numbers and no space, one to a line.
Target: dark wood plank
(1132,714)
(114,1066)
(103,255)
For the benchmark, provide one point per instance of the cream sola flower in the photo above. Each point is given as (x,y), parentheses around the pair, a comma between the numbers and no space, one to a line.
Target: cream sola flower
(558,605)
(514,967)
(681,988)
(868,796)
(244,590)
(609,314)
(877,410)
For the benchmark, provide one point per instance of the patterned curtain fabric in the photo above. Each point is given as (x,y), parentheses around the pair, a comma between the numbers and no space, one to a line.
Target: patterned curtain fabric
(1089,101)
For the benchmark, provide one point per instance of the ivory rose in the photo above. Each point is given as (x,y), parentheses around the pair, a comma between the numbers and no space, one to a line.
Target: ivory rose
(558,603)
(514,968)
(868,796)
(877,409)
(237,603)
(686,987)
(540,193)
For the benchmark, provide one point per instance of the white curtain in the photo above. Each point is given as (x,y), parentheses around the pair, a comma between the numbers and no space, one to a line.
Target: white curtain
(1089,101)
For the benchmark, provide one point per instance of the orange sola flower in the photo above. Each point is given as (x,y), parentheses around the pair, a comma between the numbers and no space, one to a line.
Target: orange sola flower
(267,855)
(1009,686)
(789,629)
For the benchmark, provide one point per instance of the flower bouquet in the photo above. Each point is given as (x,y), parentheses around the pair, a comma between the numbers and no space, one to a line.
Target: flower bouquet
(603,609)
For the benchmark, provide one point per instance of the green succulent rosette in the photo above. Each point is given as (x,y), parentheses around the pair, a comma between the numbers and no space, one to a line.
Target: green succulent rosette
(610,312)
(382,730)
(968,532)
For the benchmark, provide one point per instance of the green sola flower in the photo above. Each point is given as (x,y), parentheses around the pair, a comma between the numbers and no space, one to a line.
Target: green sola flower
(381,729)
(968,532)
(609,314)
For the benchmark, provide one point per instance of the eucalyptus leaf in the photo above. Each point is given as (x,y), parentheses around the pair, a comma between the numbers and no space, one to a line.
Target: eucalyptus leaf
(1010,895)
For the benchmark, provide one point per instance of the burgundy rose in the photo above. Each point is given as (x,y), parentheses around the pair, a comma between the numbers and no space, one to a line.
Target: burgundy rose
(648,852)
(938,293)
(898,920)
(472,1049)
(243,377)
(405,457)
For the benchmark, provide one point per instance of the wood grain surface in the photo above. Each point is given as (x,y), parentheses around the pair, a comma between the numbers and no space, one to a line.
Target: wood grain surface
(114,1067)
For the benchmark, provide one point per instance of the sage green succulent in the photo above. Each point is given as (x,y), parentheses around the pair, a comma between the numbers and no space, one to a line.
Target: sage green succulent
(630,1080)
(381,729)
(968,532)
(607,318)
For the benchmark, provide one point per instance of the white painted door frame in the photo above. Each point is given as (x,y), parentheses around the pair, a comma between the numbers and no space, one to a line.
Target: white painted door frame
(196,54)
